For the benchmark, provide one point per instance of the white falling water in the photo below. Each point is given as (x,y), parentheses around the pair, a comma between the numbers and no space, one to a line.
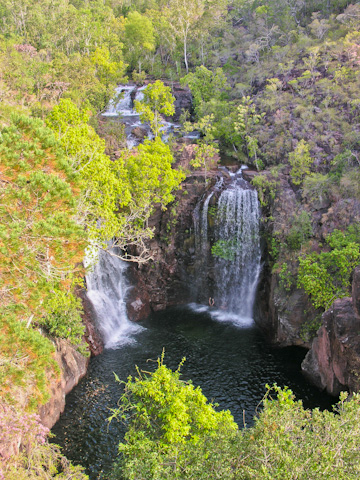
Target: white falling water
(106,289)
(237,234)
(201,226)
(122,106)
(227,282)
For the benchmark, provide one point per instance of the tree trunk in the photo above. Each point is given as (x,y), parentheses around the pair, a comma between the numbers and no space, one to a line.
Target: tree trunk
(185,57)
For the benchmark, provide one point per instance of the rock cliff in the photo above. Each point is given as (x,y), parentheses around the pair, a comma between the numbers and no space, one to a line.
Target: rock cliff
(73,367)
(333,362)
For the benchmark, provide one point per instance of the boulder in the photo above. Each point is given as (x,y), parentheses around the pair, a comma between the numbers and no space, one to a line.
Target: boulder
(139,132)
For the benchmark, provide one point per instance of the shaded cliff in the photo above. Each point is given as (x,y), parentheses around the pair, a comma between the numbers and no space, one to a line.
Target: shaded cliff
(73,367)
(333,361)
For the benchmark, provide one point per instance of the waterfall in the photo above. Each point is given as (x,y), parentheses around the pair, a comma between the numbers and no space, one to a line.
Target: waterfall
(123,108)
(107,287)
(227,274)
(237,267)
(124,105)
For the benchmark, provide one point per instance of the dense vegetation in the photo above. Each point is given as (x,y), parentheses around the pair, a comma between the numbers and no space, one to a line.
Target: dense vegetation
(274,85)
(174,432)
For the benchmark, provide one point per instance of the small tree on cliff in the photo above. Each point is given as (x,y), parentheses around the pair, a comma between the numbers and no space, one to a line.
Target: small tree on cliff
(158,100)
(300,160)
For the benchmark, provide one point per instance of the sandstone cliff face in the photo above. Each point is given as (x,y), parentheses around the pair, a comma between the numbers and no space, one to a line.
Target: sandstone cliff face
(280,311)
(333,362)
(73,367)
(284,311)
(167,280)
(164,281)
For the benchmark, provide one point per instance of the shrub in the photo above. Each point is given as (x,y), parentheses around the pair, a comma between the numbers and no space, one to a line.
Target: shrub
(325,276)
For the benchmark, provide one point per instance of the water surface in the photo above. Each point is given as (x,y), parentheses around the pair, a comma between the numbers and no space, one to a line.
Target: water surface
(230,361)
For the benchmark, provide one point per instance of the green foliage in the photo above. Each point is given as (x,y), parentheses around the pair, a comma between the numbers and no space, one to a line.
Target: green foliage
(105,186)
(266,187)
(41,246)
(157,101)
(119,195)
(300,231)
(206,85)
(325,276)
(151,177)
(300,161)
(173,431)
(27,363)
(288,441)
(139,38)
(64,318)
(225,249)
(309,328)
(206,157)
(318,187)
(286,277)
(247,118)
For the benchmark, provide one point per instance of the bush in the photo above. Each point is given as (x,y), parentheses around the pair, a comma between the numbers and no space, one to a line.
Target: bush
(325,276)
(175,434)
(173,431)
(300,231)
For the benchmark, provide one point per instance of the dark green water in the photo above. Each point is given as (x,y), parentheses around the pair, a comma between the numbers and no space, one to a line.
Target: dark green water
(231,363)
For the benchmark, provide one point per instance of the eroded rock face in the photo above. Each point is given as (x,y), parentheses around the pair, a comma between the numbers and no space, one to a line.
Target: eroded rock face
(92,334)
(183,100)
(333,362)
(281,313)
(73,367)
(164,281)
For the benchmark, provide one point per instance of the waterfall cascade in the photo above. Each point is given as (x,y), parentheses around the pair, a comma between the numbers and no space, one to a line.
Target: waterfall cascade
(124,108)
(229,251)
(107,287)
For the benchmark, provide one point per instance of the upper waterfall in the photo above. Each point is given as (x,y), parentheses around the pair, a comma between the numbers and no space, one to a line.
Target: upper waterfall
(122,107)
(228,251)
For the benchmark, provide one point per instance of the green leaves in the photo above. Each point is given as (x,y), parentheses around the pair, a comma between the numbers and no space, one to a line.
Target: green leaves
(172,429)
(41,246)
(118,196)
(157,101)
(173,432)
(206,85)
(139,37)
(300,160)
(325,276)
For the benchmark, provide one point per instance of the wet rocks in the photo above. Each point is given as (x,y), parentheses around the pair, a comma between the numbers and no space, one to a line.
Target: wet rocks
(139,132)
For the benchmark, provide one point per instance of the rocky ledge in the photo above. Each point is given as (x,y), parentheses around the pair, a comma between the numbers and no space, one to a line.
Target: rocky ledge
(333,362)
(73,367)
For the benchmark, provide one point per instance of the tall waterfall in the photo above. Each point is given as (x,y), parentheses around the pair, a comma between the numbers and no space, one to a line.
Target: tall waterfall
(237,268)
(106,289)
(229,271)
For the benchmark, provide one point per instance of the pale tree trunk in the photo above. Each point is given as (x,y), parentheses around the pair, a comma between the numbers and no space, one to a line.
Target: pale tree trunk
(185,58)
